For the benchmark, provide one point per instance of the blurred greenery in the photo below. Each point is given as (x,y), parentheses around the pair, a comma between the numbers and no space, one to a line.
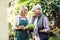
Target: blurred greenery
(49,7)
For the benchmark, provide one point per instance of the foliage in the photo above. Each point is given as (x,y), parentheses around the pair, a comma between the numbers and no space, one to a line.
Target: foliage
(49,7)
(30,26)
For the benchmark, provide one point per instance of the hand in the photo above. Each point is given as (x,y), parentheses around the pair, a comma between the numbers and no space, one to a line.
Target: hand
(22,27)
(41,31)
(17,28)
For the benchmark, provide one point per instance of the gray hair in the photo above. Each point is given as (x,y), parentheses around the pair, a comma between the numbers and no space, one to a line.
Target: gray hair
(22,7)
(37,7)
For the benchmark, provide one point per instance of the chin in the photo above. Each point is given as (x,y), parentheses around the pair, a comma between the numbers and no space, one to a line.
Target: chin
(35,14)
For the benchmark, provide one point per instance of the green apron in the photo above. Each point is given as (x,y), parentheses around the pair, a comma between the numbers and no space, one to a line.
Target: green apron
(22,34)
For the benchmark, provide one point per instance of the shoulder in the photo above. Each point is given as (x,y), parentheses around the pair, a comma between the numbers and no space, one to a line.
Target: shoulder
(16,17)
(45,18)
(27,17)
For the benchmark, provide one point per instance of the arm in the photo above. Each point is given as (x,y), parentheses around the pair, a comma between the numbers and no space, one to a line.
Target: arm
(16,22)
(46,25)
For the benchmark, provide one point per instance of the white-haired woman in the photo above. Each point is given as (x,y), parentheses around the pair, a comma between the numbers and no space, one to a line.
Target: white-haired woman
(41,23)
(20,23)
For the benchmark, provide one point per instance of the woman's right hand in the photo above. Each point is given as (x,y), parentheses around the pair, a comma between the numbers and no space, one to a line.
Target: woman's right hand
(22,27)
(19,27)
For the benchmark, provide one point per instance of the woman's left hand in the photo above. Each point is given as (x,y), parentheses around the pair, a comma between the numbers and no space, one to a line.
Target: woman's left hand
(22,27)
(41,31)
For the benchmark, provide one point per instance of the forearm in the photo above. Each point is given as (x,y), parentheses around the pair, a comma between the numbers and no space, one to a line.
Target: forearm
(20,27)
(46,25)
(46,30)
(17,27)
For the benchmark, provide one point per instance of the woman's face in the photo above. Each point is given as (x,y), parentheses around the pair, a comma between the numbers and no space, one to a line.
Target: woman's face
(36,12)
(24,11)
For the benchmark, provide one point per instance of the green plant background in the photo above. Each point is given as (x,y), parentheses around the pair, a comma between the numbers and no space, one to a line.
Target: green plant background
(47,7)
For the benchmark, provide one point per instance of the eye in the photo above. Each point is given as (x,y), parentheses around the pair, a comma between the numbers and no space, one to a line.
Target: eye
(23,10)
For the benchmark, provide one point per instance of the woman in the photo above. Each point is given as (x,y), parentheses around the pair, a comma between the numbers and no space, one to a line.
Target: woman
(20,23)
(41,23)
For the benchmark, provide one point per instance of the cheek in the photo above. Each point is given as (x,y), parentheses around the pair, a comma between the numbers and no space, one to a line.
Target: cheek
(35,13)
(25,11)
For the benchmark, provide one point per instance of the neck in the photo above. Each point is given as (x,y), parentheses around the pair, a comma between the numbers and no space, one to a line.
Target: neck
(23,16)
(38,15)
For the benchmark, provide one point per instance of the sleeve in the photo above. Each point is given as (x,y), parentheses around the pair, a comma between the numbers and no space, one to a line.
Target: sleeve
(29,20)
(46,24)
(16,22)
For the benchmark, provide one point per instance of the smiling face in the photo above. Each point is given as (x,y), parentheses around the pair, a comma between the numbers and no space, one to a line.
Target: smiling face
(36,12)
(24,11)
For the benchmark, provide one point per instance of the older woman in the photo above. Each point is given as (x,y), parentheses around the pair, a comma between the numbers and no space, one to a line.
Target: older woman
(41,23)
(20,23)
